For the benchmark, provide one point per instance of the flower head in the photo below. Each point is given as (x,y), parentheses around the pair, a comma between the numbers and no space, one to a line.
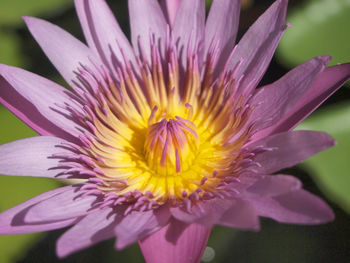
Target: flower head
(170,135)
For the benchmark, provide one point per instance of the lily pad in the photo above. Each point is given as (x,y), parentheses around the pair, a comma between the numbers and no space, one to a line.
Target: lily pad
(330,169)
(15,190)
(319,27)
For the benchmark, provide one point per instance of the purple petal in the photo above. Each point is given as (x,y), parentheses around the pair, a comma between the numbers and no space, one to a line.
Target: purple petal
(12,220)
(147,20)
(64,51)
(19,106)
(170,8)
(290,148)
(297,207)
(258,45)
(326,84)
(102,32)
(38,102)
(190,24)
(275,100)
(31,157)
(93,228)
(66,205)
(273,185)
(241,214)
(138,225)
(205,212)
(222,26)
(188,246)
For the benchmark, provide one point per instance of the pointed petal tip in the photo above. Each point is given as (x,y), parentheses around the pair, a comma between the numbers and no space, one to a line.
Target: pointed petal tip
(322,60)
(33,22)
(119,245)
(61,253)
(325,59)
(296,207)
(30,20)
(329,140)
(122,243)
(328,216)
(331,216)
(25,18)
(62,250)
(255,228)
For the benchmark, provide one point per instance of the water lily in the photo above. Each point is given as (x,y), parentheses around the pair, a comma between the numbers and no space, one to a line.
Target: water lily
(169,134)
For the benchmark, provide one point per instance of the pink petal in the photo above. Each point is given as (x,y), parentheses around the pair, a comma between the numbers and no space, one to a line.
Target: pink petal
(102,32)
(147,20)
(326,84)
(297,207)
(275,100)
(258,45)
(64,51)
(19,106)
(190,24)
(222,25)
(176,243)
(31,157)
(62,206)
(138,225)
(205,212)
(273,185)
(228,212)
(170,8)
(242,215)
(37,102)
(290,148)
(12,220)
(93,228)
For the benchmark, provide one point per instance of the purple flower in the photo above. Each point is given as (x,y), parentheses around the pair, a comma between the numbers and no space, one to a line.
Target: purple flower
(169,134)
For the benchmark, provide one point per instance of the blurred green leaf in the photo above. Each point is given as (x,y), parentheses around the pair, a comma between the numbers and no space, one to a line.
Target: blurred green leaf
(12,128)
(221,240)
(330,169)
(208,4)
(320,27)
(10,50)
(11,11)
(15,190)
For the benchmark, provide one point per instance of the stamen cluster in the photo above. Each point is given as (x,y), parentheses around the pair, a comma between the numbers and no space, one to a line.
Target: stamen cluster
(155,137)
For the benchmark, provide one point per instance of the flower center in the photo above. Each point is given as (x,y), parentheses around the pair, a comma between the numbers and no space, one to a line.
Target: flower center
(154,137)
(170,159)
